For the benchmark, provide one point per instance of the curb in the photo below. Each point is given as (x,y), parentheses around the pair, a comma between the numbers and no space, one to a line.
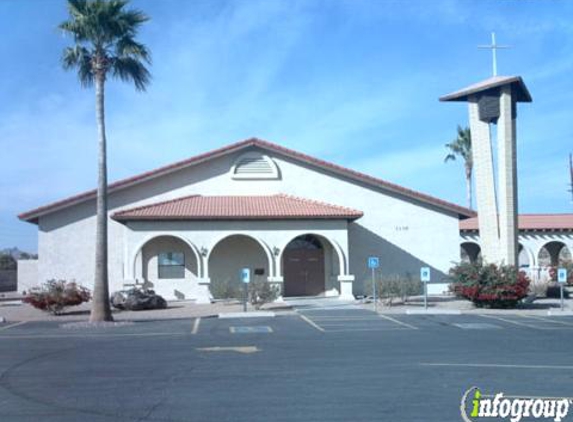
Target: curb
(559,313)
(433,312)
(256,314)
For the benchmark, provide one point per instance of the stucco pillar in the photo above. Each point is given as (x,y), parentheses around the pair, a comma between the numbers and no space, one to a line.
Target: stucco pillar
(277,282)
(507,169)
(485,184)
(346,282)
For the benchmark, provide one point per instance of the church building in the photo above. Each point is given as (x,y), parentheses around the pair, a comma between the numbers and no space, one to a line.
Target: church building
(306,225)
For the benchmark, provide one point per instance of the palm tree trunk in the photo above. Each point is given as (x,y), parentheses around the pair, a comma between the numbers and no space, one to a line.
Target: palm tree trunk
(469,187)
(101,310)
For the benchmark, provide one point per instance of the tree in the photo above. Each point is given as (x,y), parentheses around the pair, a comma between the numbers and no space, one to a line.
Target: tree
(462,147)
(104,45)
(7,262)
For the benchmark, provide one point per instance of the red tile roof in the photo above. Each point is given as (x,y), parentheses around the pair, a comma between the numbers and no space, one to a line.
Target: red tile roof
(32,215)
(273,207)
(533,222)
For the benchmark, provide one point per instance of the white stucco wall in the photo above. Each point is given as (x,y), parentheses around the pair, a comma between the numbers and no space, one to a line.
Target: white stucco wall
(404,233)
(28,274)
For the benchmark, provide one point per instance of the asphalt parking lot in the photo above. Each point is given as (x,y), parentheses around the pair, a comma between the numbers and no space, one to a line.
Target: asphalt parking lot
(339,363)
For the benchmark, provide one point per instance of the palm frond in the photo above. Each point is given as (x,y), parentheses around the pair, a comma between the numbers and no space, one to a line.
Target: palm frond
(129,69)
(79,57)
(104,35)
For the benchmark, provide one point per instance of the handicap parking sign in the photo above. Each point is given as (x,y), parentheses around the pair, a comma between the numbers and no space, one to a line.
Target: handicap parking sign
(562,275)
(425,274)
(373,262)
(245,275)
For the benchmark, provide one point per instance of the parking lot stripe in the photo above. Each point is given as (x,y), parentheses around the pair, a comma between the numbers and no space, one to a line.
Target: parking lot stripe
(310,322)
(547,320)
(196,326)
(496,365)
(364,329)
(13,325)
(510,321)
(397,322)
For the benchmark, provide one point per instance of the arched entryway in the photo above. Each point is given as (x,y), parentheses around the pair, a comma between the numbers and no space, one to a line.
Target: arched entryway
(169,265)
(554,254)
(228,257)
(470,252)
(310,265)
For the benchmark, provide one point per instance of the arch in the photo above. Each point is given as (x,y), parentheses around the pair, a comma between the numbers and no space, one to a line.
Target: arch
(138,250)
(553,253)
(310,265)
(525,257)
(342,260)
(228,255)
(470,252)
(263,245)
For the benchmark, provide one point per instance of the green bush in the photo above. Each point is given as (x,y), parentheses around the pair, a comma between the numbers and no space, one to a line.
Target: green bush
(261,292)
(392,287)
(489,285)
(55,295)
(226,289)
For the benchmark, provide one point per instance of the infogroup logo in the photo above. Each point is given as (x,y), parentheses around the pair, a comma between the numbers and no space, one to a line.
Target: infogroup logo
(476,406)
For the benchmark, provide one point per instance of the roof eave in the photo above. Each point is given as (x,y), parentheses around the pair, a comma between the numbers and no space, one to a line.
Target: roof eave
(522,95)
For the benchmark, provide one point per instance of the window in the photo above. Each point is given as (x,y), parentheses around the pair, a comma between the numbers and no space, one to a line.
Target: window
(171,265)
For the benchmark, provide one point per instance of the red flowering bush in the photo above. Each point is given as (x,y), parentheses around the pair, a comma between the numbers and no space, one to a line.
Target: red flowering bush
(489,285)
(55,295)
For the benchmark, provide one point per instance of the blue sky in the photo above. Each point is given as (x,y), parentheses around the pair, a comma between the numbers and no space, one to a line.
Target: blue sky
(355,82)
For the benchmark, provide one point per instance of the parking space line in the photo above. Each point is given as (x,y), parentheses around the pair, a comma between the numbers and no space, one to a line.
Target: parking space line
(312,323)
(328,319)
(547,320)
(495,365)
(364,329)
(196,324)
(13,325)
(397,321)
(511,322)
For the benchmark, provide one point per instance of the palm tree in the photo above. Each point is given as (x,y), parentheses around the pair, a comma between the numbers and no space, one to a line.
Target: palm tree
(104,45)
(462,147)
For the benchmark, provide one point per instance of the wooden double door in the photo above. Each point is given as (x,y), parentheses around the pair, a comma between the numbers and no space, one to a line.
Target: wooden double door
(303,271)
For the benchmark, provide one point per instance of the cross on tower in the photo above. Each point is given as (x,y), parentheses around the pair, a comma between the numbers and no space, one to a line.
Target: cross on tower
(494,47)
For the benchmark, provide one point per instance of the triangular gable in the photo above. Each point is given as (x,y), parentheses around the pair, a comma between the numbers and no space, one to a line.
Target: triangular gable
(33,215)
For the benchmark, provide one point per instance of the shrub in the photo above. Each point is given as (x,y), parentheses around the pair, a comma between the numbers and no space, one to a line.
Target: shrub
(489,285)
(226,289)
(55,295)
(261,292)
(392,287)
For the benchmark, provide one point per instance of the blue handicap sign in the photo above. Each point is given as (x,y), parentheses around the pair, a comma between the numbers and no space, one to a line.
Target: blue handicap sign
(562,275)
(246,275)
(373,262)
(425,274)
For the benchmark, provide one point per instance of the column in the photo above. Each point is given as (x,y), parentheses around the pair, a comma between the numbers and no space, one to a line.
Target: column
(485,184)
(507,170)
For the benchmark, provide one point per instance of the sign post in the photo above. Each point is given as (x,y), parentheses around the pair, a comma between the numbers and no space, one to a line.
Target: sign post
(425,278)
(246,279)
(373,263)
(562,279)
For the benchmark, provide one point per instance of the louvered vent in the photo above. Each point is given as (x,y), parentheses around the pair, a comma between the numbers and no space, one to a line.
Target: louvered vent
(255,166)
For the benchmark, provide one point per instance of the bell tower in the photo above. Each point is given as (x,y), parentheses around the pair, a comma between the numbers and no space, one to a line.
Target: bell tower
(494,102)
